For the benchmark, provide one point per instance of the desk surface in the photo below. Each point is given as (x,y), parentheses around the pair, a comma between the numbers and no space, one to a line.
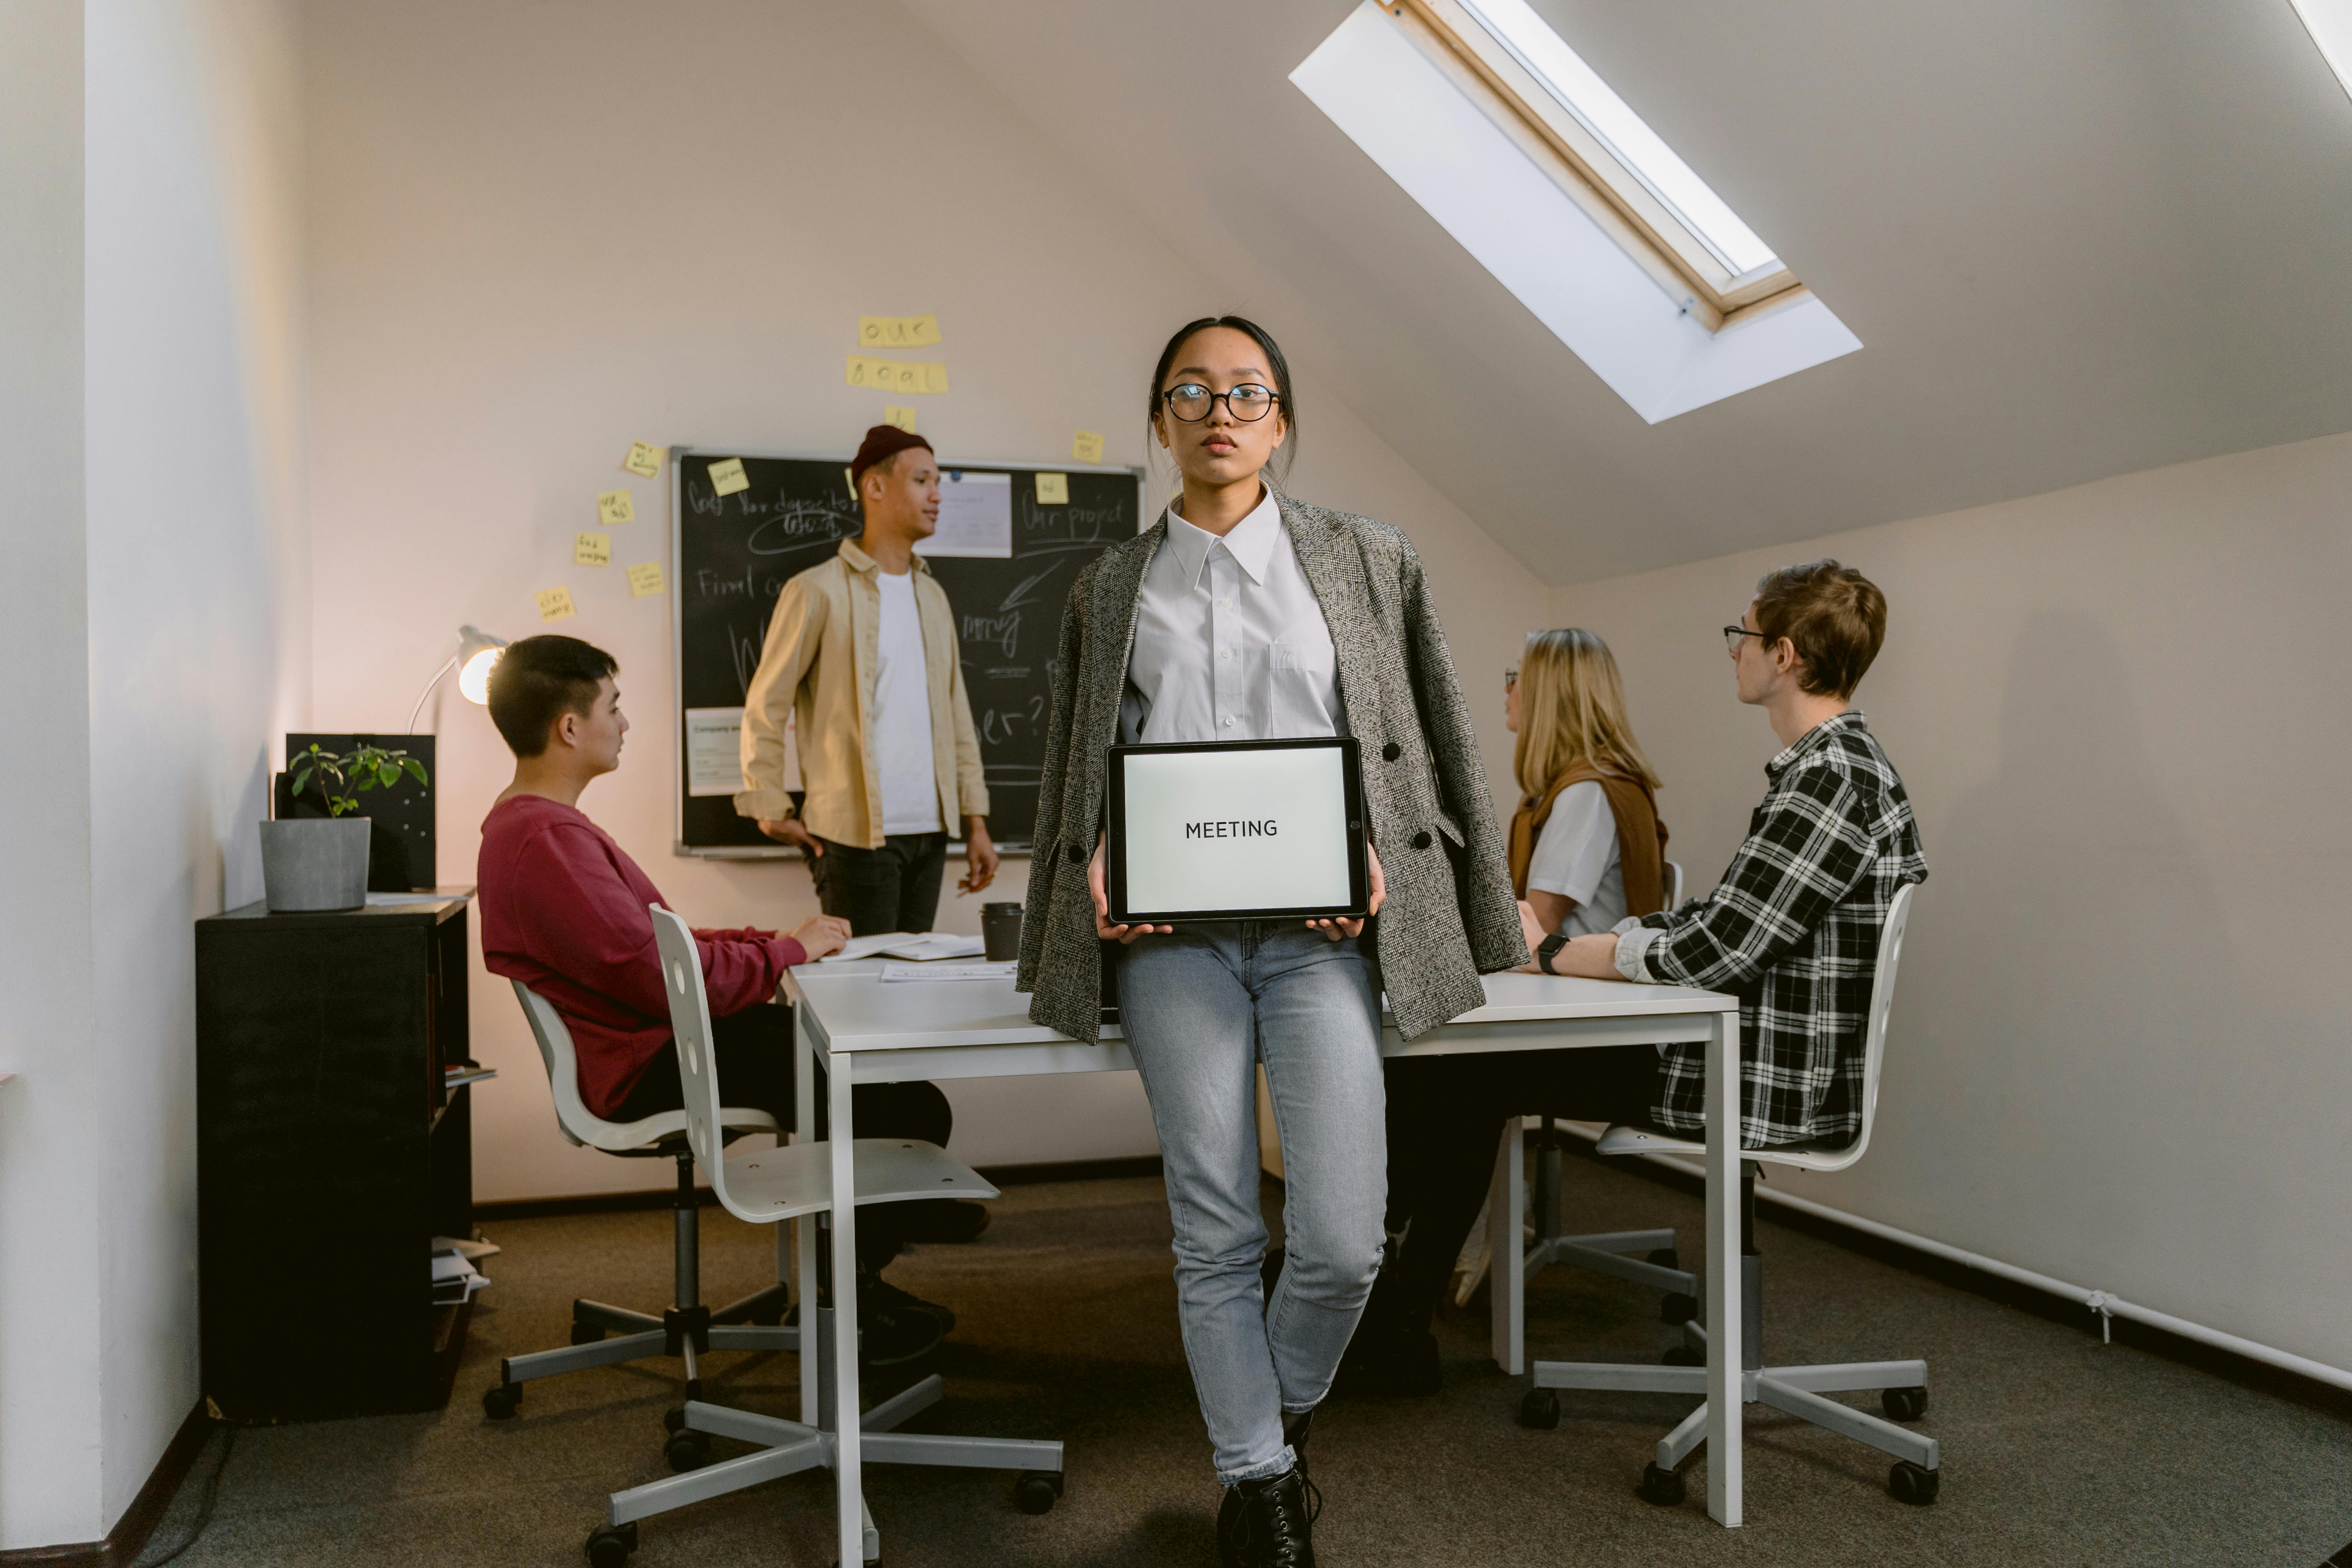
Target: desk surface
(860,1011)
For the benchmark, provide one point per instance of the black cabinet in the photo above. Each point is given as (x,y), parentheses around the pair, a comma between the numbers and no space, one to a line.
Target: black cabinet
(330,1153)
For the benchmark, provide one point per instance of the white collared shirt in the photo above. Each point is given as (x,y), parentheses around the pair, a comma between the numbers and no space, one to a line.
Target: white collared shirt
(1230,642)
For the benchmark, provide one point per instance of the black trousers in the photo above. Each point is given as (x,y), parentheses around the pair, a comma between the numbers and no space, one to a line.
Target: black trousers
(753,1052)
(894,888)
(1445,1116)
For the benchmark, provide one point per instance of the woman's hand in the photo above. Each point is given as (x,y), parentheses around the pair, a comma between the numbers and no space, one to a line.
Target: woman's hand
(1336,928)
(821,934)
(1532,929)
(1103,928)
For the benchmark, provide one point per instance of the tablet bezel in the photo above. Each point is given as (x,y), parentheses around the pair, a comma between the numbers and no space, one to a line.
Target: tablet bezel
(1360,885)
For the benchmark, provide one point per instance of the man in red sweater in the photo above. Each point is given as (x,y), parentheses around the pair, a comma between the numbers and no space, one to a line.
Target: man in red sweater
(564,911)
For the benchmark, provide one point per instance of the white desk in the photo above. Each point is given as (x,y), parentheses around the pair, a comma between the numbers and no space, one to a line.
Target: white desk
(864,1031)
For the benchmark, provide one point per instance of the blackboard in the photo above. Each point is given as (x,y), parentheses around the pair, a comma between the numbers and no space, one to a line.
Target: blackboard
(734,553)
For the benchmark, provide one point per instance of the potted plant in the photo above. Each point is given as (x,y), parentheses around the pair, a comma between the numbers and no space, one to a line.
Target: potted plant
(321,862)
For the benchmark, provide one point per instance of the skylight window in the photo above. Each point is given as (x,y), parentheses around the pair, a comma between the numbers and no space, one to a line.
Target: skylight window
(2329,22)
(1578,88)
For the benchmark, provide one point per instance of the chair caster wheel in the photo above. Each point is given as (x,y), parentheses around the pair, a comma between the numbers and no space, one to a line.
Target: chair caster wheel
(1666,1258)
(687,1452)
(609,1546)
(1677,1308)
(674,1418)
(1036,1490)
(1903,1404)
(1681,1355)
(1539,1410)
(1663,1487)
(1908,1482)
(767,1320)
(586,1333)
(500,1403)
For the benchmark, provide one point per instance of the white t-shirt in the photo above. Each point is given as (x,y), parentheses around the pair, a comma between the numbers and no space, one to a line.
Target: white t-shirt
(902,714)
(1576,857)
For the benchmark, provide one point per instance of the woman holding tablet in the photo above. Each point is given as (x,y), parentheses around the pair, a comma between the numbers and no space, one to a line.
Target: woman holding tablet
(1244,615)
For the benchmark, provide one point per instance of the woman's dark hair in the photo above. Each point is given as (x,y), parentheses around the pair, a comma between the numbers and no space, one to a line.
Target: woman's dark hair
(1276,365)
(539,678)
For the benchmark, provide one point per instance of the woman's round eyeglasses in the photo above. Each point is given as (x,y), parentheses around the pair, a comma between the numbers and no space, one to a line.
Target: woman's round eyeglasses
(1192,402)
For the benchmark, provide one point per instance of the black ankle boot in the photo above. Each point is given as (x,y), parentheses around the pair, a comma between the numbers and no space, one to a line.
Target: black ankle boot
(1269,1523)
(1296,1426)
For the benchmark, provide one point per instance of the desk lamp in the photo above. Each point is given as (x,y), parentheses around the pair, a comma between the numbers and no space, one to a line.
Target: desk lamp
(477,655)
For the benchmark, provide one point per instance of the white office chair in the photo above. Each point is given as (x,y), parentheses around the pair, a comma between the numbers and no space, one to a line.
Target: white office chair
(686,1329)
(1796,1390)
(764,1187)
(1517,1261)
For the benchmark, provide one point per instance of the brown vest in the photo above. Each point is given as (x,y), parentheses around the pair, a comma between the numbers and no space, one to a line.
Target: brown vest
(1641,837)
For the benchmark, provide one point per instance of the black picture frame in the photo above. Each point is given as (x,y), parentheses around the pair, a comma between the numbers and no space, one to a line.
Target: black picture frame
(1115,832)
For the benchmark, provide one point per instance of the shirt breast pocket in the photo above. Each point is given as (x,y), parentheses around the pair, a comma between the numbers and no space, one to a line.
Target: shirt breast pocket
(1300,676)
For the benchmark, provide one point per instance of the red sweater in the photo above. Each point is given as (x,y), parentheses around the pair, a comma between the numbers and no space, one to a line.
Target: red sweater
(565,912)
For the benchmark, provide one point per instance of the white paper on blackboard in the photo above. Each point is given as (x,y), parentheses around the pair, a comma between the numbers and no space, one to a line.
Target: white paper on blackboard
(975,516)
(714,750)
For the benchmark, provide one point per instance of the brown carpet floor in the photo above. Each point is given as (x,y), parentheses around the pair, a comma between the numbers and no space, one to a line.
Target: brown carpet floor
(2058,1450)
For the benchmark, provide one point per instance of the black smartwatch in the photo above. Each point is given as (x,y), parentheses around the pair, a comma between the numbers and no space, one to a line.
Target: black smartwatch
(1550,945)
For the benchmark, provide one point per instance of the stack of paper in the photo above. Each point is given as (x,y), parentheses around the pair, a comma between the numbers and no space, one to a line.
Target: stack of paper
(1005,971)
(454,1277)
(916,947)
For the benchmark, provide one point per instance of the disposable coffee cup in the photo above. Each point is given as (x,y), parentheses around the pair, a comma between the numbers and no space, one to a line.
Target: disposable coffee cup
(999,928)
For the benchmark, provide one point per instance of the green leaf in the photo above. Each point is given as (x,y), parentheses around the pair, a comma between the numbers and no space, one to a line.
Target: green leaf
(415,769)
(301,780)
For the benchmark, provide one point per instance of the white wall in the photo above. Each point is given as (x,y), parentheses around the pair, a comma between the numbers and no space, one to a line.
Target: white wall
(156,646)
(2119,1053)
(532,244)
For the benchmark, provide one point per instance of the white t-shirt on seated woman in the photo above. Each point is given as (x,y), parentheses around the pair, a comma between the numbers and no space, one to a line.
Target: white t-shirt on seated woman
(1576,857)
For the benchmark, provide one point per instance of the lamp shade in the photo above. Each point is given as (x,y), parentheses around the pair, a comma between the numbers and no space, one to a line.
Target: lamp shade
(479,652)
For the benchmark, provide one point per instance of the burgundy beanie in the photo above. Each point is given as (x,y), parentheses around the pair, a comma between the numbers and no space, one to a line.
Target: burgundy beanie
(883,441)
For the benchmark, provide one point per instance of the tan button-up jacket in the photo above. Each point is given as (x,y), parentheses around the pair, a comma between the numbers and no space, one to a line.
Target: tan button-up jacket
(818,671)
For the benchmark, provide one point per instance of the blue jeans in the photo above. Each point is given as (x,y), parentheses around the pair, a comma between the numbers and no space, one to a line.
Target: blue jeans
(1201,1008)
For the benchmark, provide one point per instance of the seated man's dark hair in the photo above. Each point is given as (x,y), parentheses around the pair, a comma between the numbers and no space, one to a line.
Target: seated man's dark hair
(539,678)
(1834,617)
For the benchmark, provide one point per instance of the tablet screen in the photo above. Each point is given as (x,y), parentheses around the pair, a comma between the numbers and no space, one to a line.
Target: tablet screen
(1225,832)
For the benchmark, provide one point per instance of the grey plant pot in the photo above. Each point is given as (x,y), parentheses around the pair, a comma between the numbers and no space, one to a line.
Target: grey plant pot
(315,863)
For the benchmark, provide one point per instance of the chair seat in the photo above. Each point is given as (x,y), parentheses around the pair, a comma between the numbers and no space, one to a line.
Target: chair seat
(765,1185)
(663,1132)
(1815,1154)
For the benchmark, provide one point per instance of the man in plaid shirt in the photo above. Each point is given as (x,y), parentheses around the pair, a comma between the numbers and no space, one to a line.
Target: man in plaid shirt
(1793,927)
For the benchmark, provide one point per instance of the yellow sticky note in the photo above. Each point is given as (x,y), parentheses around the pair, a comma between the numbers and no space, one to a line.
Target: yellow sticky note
(615,506)
(906,378)
(1053,489)
(555,605)
(873,332)
(849,478)
(592,550)
(894,413)
(645,577)
(644,459)
(861,371)
(727,478)
(935,378)
(922,331)
(1085,446)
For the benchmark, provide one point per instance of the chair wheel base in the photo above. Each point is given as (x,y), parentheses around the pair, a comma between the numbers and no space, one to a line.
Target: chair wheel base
(500,1403)
(1539,1410)
(687,1452)
(1035,1491)
(1903,1404)
(1677,1308)
(1913,1484)
(609,1545)
(1661,1486)
(1681,1355)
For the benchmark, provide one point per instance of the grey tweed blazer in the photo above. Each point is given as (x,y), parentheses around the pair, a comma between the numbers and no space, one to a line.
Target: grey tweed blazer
(1450,915)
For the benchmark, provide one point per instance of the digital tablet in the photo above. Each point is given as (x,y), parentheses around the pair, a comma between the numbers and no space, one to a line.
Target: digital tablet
(1236,830)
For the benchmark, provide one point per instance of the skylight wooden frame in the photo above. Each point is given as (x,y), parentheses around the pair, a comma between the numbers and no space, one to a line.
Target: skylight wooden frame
(1584,167)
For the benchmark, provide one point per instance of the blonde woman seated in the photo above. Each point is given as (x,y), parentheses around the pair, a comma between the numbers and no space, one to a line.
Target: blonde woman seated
(1587,850)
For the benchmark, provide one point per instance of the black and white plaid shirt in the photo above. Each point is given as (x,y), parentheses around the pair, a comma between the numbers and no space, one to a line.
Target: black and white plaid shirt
(1793,929)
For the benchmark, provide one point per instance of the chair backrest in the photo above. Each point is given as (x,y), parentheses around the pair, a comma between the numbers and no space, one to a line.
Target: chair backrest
(689,1023)
(1674,884)
(583,1126)
(1874,1049)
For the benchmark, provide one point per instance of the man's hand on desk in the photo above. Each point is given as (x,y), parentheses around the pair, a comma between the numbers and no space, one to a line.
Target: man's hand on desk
(979,857)
(790,831)
(821,934)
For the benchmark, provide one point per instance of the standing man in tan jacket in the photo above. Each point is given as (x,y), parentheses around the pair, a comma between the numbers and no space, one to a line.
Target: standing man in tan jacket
(862,655)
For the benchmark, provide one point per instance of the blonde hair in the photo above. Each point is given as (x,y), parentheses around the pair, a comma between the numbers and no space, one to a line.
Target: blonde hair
(1572,712)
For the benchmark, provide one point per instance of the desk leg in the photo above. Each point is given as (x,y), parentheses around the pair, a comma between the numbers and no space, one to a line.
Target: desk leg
(848,1479)
(1506,1254)
(1726,1381)
(804,1229)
